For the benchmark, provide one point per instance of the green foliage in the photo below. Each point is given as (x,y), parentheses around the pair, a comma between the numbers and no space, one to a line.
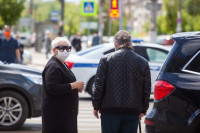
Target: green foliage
(192,7)
(187,24)
(10,11)
(166,22)
(72,18)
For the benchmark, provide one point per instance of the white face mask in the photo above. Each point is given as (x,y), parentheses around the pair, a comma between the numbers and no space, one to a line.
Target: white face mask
(62,55)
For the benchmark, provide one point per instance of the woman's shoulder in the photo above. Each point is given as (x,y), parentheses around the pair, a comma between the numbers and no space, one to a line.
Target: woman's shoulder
(52,64)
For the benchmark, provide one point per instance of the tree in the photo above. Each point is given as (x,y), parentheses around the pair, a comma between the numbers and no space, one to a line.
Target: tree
(10,11)
(192,7)
(168,25)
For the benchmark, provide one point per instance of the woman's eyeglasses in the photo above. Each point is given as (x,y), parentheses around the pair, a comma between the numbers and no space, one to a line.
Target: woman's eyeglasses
(62,48)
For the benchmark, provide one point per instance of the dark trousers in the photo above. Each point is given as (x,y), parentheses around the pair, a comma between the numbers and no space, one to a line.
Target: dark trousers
(119,123)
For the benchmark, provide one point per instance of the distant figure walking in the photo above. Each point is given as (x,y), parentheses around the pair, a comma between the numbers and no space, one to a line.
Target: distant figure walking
(21,48)
(76,42)
(47,41)
(9,48)
(95,39)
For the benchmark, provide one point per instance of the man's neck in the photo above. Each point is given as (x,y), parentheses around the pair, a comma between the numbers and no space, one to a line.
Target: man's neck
(7,38)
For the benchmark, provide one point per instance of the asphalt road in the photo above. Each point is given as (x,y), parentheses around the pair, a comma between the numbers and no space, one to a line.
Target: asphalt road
(87,123)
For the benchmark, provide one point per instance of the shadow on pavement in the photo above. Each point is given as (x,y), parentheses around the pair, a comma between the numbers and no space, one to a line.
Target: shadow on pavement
(85,98)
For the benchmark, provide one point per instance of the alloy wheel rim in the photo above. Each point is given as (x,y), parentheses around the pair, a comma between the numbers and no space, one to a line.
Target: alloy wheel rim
(10,111)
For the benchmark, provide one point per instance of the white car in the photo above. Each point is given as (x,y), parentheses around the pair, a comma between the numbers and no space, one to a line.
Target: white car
(84,63)
(25,40)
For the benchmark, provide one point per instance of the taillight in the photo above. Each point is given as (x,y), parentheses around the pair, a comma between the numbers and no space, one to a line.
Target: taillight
(162,89)
(69,64)
(148,122)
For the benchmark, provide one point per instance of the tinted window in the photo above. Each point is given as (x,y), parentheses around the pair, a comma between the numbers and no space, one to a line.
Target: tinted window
(195,64)
(156,55)
(109,51)
(141,51)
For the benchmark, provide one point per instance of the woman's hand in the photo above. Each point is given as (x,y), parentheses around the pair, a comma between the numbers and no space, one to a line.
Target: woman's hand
(77,85)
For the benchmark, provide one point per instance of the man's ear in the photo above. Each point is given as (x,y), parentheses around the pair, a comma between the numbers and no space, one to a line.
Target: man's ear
(53,50)
(116,46)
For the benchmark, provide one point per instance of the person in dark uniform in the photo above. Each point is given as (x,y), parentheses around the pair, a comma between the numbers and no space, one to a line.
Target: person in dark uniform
(60,92)
(76,42)
(9,48)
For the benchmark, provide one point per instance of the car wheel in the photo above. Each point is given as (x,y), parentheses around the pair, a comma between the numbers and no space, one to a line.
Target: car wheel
(13,110)
(91,86)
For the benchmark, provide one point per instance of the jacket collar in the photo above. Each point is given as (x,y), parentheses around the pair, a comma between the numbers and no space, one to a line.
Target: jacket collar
(127,48)
(65,70)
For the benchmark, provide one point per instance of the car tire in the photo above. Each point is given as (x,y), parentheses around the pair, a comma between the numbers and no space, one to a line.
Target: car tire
(13,110)
(90,86)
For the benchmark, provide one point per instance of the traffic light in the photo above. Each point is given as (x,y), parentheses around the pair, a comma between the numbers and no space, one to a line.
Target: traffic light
(114,9)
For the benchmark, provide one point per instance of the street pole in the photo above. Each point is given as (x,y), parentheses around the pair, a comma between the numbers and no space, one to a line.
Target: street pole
(153,25)
(101,22)
(110,27)
(121,14)
(179,17)
(62,2)
(31,16)
(110,22)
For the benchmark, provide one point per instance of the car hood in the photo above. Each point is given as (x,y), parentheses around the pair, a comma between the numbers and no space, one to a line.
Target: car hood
(19,69)
(81,59)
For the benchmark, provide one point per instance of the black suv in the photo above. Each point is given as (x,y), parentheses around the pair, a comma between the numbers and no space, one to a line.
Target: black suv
(20,95)
(177,89)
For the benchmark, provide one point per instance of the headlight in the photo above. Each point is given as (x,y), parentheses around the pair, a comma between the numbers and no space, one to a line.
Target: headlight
(35,79)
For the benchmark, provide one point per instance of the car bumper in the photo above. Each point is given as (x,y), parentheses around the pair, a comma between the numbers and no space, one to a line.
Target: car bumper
(162,121)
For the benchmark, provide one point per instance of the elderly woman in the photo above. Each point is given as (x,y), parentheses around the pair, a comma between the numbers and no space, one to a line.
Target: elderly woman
(60,92)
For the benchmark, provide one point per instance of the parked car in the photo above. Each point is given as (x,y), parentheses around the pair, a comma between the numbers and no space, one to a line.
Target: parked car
(20,95)
(25,40)
(165,40)
(84,63)
(177,89)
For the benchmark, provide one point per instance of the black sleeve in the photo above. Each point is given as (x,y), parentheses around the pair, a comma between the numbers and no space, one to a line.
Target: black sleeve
(146,88)
(100,83)
(0,43)
(53,80)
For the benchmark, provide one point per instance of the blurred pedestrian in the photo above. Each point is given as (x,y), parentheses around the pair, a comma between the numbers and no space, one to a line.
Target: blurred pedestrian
(122,87)
(76,42)
(95,39)
(9,48)
(21,48)
(47,41)
(60,92)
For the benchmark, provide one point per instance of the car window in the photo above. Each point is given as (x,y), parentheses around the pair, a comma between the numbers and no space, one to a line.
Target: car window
(156,55)
(109,51)
(141,51)
(194,64)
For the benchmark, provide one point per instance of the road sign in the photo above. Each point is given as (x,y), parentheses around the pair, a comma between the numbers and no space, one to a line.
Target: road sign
(114,9)
(89,25)
(54,15)
(24,21)
(150,5)
(88,7)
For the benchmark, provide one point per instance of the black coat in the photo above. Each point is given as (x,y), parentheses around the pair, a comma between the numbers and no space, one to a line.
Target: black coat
(122,83)
(59,102)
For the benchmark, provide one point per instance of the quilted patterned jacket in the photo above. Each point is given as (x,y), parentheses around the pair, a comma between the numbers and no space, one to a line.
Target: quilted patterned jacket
(122,83)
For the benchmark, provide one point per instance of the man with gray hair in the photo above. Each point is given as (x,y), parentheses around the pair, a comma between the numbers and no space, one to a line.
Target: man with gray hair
(122,87)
